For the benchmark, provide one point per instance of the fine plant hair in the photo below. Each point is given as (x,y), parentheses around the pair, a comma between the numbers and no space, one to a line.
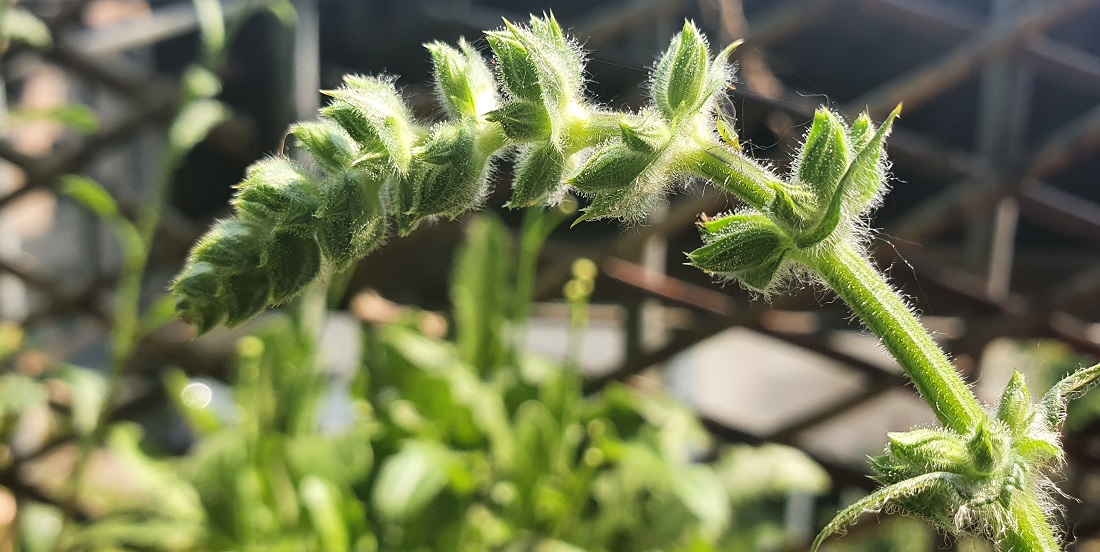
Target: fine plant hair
(375,171)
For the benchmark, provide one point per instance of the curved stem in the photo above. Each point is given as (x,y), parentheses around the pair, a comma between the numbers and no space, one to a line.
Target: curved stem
(866,292)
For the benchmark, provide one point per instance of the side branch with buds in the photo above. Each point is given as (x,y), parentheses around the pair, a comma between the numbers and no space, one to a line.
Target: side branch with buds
(374,169)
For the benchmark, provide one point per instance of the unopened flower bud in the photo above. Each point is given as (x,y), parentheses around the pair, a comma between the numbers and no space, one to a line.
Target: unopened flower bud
(277,193)
(464,83)
(539,171)
(748,247)
(680,80)
(328,144)
(824,156)
(373,113)
(614,167)
(1015,407)
(350,221)
(522,120)
(929,449)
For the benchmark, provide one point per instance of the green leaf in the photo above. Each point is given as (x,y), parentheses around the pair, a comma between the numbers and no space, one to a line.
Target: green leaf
(647,134)
(350,222)
(928,483)
(743,242)
(89,392)
(19,392)
(193,123)
(1072,386)
(519,73)
(89,193)
(292,262)
(20,25)
(211,21)
(479,294)
(75,116)
(199,82)
(410,479)
(322,502)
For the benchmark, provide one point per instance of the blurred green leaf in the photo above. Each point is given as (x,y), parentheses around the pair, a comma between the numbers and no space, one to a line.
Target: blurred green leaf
(91,194)
(40,527)
(20,25)
(480,294)
(11,339)
(75,116)
(412,478)
(211,26)
(199,82)
(284,11)
(321,500)
(162,311)
(88,393)
(18,392)
(193,123)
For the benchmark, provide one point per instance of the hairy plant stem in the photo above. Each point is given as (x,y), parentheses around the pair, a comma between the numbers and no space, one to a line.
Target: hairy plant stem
(735,175)
(878,306)
(1032,532)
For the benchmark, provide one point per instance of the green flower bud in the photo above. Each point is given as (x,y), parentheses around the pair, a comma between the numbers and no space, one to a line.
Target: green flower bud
(539,171)
(1015,407)
(276,192)
(292,263)
(983,450)
(540,65)
(859,184)
(224,276)
(680,79)
(350,222)
(233,245)
(861,133)
(328,144)
(246,295)
(373,113)
(613,167)
(748,247)
(522,121)
(868,167)
(464,83)
(198,291)
(446,178)
(517,69)
(824,155)
(924,450)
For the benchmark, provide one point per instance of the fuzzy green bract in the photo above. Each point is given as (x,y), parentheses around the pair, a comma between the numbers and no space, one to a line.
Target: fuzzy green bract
(373,166)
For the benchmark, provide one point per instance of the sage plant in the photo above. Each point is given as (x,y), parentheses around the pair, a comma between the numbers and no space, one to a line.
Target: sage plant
(375,169)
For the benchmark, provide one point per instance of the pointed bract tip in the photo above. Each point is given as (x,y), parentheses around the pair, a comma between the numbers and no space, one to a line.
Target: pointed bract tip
(730,48)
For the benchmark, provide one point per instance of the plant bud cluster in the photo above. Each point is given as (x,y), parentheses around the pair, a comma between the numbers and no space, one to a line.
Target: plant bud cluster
(373,166)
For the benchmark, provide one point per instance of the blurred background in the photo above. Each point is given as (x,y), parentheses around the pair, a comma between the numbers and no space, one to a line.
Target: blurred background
(992,226)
